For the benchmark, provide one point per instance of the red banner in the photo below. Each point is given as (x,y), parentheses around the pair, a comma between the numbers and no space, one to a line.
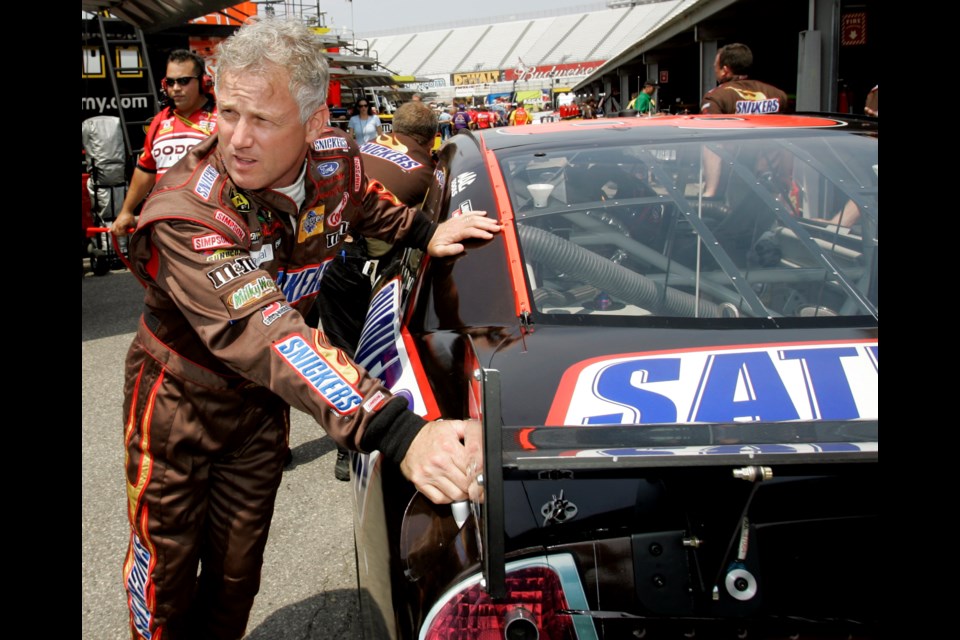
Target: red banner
(523,72)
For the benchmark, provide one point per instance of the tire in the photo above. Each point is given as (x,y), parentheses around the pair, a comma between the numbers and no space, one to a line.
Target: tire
(100,265)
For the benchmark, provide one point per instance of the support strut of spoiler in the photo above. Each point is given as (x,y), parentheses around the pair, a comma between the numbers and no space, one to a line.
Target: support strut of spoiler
(494,525)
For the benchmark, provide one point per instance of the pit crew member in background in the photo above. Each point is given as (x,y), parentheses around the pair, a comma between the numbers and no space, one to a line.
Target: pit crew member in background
(872,107)
(519,116)
(461,120)
(645,104)
(734,94)
(187,120)
(231,246)
(403,163)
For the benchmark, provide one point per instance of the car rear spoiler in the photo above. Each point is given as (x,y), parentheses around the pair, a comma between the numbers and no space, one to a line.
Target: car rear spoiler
(565,451)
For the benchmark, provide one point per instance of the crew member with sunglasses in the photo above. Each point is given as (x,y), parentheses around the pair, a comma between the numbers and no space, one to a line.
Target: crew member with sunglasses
(189,117)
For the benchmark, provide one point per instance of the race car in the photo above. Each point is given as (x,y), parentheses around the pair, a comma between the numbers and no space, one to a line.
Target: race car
(672,351)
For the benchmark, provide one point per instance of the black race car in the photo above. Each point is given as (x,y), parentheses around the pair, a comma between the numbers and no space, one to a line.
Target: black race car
(673,351)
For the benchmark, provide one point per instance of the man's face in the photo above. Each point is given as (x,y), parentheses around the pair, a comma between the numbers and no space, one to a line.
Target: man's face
(261,138)
(723,73)
(187,98)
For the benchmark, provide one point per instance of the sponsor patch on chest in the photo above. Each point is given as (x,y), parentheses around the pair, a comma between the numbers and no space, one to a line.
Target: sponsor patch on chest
(205,183)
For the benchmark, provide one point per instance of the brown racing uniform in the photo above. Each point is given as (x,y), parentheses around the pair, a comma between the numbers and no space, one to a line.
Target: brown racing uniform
(220,354)
(743,97)
(399,163)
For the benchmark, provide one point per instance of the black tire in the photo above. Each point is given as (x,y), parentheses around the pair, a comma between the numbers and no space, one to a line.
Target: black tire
(100,265)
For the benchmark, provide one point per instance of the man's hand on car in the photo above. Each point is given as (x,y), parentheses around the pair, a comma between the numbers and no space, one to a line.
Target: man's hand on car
(449,236)
(439,459)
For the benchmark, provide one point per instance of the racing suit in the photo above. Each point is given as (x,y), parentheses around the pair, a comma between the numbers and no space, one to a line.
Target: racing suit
(744,96)
(220,354)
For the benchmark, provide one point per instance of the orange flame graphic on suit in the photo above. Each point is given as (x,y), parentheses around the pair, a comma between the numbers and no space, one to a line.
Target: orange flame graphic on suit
(336,359)
(383,193)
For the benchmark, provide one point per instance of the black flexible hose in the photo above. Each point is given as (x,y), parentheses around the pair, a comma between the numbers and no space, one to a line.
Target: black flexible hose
(566,257)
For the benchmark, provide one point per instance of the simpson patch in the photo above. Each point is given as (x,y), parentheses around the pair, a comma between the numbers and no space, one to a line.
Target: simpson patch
(231,224)
(210,241)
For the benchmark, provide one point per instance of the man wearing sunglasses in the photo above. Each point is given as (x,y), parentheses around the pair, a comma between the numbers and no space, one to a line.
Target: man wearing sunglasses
(189,117)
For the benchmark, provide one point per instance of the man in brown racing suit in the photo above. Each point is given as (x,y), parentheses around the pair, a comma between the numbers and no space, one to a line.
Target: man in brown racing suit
(231,247)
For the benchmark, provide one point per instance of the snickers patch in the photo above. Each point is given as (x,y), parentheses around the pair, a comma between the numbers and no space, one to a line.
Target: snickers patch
(392,156)
(205,183)
(318,373)
(330,144)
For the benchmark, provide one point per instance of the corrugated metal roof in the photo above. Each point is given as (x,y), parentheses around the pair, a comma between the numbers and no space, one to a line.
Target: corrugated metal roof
(154,15)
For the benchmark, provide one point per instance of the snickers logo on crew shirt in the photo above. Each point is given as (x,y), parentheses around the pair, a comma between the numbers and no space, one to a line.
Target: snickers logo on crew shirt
(746,107)
(392,156)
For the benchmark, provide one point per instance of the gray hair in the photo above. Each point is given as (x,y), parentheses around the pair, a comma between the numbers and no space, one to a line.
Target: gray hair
(260,45)
(417,120)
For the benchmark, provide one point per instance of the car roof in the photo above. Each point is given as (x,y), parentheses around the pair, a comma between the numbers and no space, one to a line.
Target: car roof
(618,131)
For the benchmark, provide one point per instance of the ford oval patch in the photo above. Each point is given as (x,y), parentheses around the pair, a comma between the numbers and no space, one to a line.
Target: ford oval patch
(327,169)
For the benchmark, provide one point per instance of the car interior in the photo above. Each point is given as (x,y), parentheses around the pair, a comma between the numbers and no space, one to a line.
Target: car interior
(791,232)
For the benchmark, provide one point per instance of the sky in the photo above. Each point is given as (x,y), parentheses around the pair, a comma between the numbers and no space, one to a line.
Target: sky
(366,16)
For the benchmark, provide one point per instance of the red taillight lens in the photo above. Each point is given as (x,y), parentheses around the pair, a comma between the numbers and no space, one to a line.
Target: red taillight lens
(472,615)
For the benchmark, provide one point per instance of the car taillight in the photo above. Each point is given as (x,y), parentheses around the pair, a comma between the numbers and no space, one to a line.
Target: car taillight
(528,612)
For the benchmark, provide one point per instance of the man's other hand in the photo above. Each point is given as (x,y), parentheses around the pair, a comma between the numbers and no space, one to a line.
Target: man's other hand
(440,460)
(120,227)
(447,240)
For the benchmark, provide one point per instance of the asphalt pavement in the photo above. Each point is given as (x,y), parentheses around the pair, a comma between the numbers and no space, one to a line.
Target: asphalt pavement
(308,589)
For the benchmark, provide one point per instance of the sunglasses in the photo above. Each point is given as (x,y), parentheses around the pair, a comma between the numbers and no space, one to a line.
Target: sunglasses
(363,104)
(183,82)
